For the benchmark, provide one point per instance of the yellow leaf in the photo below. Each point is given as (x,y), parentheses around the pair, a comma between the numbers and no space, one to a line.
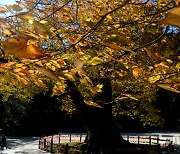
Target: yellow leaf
(25,15)
(23,80)
(154,79)
(69,76)
(173,18)
(19,65)
(167,87)
(130,96)
(95,61)
(161,3)
(39,83)
(17,70)
(178,66)
(43,22)
(7,32)
(7,65)
(99,87)
(90,103)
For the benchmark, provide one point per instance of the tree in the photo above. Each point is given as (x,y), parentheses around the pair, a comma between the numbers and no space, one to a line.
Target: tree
(82,47)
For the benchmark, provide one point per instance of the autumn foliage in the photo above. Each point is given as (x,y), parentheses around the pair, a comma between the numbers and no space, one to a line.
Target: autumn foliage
(81,40)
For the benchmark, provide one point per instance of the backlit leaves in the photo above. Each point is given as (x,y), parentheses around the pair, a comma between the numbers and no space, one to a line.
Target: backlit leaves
(95,61)
(62,43)
(154,79)
(13,7)
(78,63)
(46,72)
(19,48)
(168,87)
(25,15)
(13,45)
(173,18)
(41,29)
(29,52)
(137,72)
(90,103)
(3,10)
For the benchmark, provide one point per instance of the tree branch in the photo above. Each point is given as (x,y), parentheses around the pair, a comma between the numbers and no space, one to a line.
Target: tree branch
(98,24)
(154,41)
(57,10)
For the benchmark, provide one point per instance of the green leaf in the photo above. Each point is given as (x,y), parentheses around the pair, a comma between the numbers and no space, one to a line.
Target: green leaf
(41,29)
(90,23)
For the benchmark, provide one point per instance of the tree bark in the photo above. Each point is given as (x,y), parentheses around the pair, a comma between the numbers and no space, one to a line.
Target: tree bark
(103,136)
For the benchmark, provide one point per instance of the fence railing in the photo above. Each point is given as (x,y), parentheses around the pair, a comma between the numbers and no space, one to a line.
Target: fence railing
(151,140)
(47,143)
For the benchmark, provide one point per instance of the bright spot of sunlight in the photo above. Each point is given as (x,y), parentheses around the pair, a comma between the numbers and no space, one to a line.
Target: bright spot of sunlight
(3,2)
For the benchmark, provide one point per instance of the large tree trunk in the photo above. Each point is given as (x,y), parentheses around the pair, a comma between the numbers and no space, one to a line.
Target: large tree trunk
(103,136)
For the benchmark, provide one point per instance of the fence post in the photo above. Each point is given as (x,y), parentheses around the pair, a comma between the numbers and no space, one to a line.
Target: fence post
(80,137)
(59,139)
(70,138)
(138,139)
(158,140)
(150,140)
(128,138)
(51,144)
(44,143)
(40,143)
(66,152)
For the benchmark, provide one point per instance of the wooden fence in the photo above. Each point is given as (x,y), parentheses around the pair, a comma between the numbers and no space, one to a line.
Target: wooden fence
(47,143)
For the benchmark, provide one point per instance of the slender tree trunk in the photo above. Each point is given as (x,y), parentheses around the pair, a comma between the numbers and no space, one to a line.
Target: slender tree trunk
(103,136)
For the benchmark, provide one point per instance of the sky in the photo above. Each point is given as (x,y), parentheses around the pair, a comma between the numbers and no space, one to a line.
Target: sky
(3,2)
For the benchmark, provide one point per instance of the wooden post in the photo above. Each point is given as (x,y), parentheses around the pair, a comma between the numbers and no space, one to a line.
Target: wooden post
(150,140)
(59,138)
(44,143)
(128,138)
(138,139)
(70,138)
(51,150)
(66,152)
(158,140)
(40,143)
(80,138)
